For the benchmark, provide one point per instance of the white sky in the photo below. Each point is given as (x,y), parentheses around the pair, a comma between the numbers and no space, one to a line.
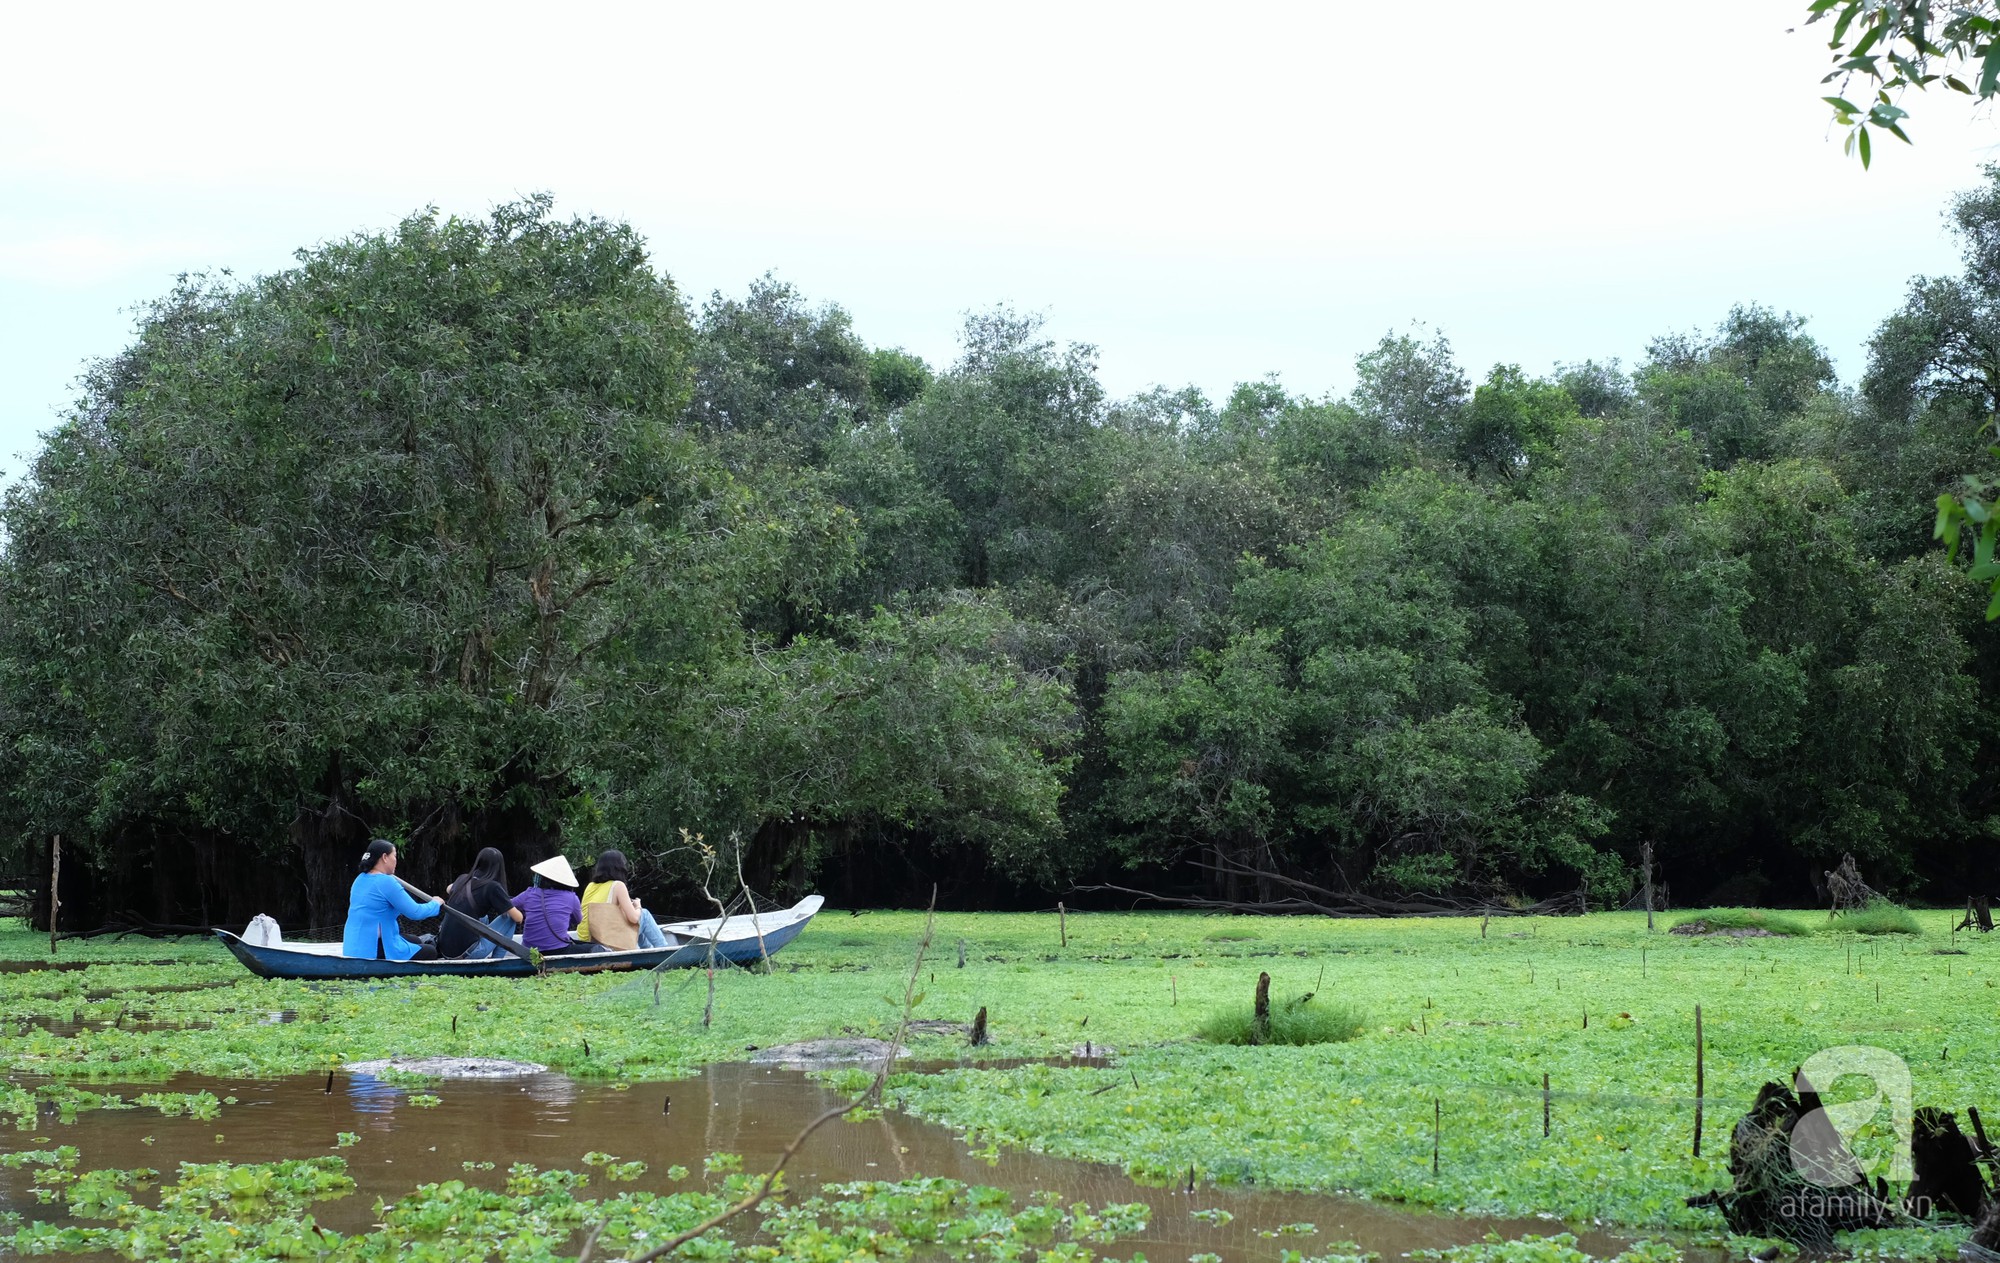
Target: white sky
(1207,194)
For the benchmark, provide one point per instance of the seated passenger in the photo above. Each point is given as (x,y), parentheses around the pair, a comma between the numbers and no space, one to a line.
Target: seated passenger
(612,918)
(482,895)
(548,911)
(374,902)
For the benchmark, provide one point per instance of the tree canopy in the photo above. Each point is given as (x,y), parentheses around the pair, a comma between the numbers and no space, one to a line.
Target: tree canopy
(474,532)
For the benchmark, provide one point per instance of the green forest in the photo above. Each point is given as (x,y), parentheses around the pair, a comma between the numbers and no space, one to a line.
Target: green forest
(480,532)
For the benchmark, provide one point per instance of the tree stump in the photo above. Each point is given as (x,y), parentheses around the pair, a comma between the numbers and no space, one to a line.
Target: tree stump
(1845,889)
(1946,1167)
(1978,914)
(1260,1017)
(1793,1176)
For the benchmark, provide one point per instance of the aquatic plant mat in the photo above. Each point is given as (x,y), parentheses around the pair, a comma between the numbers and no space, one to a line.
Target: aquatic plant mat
(1437,1104)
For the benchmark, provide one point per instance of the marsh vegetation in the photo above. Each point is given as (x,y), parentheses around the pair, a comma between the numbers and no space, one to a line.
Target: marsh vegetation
(1459,1030)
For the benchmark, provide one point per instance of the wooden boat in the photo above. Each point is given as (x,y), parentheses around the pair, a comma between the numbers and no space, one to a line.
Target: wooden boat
(739,940)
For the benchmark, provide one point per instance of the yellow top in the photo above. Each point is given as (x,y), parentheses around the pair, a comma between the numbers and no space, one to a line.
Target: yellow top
(595,892)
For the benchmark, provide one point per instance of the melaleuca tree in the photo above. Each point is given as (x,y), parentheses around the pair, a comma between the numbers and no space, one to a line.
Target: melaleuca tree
(1010,437)
(778,379)
(1734,391)
(913,723)
(398,536)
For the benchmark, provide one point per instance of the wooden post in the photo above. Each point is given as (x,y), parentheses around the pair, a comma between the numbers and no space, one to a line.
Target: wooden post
(1646,865)
(1174,989)
(1484,918)
(1700,1081)
(55,889)
(1642,962)
(1437,1127)
(1545,1105)
(961,953)
(1260,1020)
(1062,923)
(979,1038)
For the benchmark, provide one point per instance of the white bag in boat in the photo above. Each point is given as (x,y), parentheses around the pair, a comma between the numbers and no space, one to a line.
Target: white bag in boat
(262,932)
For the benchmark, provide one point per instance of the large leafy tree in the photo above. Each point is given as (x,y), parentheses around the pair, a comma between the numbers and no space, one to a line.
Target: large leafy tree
(400,535)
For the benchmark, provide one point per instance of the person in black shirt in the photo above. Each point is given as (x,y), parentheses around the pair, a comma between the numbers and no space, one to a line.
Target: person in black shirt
(482,895)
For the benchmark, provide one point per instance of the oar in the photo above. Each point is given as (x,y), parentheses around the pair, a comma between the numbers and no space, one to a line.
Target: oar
(474,924)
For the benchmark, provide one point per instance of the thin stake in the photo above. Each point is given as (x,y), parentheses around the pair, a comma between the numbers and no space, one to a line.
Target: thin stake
(1642,962)
(1700,1081)
(1646,861)
(1175,988)
(1545,1105)
(1437,1126)
(1062,923)
(55,885)
(961,953)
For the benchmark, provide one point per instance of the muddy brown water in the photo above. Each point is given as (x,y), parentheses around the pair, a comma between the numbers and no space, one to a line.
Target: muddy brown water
(551,1121)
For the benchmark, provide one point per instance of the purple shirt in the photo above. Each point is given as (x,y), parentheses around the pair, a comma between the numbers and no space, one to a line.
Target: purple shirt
(547,916)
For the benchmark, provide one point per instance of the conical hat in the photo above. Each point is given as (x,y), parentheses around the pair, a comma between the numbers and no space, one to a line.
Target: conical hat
(556,869)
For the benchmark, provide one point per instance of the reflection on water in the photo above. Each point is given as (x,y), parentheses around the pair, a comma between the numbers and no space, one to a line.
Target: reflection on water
(371,1095)
(552,1122)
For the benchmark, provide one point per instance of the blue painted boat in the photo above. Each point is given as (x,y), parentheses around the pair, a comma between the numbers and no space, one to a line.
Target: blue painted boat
(739,940)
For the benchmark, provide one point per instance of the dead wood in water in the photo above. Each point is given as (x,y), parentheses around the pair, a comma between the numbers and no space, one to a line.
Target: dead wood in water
(1946,1167)
(1978,914)
(1793,1175)
(1308,897)
(1845,889)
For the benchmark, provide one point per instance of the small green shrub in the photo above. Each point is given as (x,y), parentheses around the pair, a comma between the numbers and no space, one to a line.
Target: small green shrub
(1717,920)
(1879,917)
(1307,1023)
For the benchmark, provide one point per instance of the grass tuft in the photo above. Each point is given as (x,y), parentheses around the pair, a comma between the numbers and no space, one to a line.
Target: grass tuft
(1290,1024)
(1717,920)
(1879,917)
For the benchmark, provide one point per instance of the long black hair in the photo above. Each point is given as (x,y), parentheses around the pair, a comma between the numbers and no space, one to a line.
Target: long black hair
(611,866)
(489,865)
(376,850)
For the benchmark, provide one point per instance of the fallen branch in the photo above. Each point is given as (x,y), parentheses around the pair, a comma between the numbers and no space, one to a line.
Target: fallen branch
(1320,901)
